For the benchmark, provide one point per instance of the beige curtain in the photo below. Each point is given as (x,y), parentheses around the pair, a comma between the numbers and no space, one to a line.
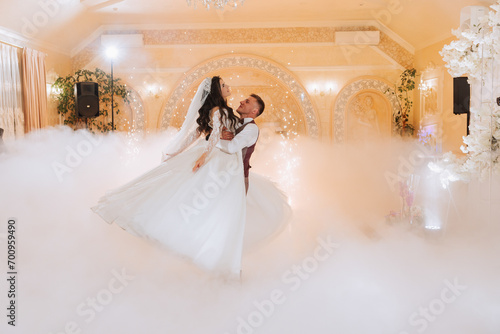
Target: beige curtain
(35,90)
(11,99)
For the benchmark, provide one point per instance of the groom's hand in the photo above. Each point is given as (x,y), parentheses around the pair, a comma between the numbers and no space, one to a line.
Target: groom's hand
(226,134)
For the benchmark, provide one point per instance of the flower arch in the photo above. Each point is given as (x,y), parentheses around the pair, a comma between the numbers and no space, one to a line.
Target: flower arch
(476,53)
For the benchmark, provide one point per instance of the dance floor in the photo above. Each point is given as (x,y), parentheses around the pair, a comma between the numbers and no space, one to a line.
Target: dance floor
(339,266)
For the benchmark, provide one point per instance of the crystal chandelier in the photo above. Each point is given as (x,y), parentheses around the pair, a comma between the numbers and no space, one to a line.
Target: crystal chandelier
(217,4)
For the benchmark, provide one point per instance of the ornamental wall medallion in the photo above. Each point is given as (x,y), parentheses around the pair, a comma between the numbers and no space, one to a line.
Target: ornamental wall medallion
(341,118)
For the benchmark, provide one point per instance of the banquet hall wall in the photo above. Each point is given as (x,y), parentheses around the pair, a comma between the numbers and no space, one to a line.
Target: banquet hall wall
(322,68)
(450,128)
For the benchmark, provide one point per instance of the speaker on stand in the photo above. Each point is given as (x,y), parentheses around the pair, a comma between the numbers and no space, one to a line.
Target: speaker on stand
(461,98)
(87,100)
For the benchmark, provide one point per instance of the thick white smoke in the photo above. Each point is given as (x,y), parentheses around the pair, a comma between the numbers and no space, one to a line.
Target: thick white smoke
(338,267)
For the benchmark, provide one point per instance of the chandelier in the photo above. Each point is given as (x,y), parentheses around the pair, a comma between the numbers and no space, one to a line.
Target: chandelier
(217,4)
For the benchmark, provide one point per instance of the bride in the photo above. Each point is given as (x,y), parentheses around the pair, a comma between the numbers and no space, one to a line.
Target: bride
(194,202)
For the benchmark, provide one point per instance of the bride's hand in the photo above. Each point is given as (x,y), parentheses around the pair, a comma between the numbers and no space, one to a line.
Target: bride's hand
(166,157)
(200,162)
(226,134)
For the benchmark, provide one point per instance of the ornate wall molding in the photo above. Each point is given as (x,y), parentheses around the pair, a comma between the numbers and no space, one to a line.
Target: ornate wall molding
(396,51)
(85,56)
(287,35)
(339,112)
(239,36)
(249,62)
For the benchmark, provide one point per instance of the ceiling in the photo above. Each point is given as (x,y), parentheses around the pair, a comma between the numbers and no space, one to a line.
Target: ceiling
(64,24)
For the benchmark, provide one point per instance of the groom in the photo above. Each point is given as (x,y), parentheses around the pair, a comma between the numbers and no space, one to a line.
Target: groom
(247,133)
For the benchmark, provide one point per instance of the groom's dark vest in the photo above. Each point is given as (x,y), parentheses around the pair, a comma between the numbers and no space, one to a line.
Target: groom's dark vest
(247,151)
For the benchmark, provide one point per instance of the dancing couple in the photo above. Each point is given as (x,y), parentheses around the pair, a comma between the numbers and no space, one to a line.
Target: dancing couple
(201,202)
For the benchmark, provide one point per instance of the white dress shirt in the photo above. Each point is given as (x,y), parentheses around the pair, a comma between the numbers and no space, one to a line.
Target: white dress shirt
(246,138)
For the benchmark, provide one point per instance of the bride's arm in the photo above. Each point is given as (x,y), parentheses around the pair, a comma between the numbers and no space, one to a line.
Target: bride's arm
(212,141)
(191,138)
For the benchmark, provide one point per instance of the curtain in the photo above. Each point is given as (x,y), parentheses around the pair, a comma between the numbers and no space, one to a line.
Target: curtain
(35,90)
(11,101)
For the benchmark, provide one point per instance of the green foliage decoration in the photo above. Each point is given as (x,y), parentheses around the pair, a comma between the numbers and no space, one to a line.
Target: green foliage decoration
(402,89)
(65,86)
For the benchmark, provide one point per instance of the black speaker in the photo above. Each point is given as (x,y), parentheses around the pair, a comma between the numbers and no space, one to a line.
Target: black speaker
(87,99)
(461,96)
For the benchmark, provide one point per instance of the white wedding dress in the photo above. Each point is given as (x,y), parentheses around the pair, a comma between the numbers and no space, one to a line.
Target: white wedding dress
(202,215)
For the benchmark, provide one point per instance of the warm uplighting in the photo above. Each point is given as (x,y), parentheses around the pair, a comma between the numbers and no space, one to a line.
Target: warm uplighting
(53,91)
(111,52)
(425,88)
(323,88)
(154,90)
(217,4)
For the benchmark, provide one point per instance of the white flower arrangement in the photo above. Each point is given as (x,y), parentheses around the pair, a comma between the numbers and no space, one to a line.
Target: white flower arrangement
(465,56)
(473,54)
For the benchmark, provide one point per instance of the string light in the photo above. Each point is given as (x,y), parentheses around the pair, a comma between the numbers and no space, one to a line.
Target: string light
(135,131)
(217,4)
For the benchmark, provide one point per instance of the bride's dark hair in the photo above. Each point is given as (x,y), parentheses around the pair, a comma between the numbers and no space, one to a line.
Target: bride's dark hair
(214,99)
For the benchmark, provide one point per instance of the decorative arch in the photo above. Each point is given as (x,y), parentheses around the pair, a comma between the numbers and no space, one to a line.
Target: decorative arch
(358,85)
(244,61)
(132,115)
(137,108)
